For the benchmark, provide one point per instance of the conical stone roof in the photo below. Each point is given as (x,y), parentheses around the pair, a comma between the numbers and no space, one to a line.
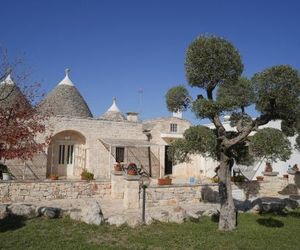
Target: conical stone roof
(113,113)
(11,95)
(66,100)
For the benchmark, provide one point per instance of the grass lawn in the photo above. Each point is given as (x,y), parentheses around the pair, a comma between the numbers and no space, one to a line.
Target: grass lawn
(253,232)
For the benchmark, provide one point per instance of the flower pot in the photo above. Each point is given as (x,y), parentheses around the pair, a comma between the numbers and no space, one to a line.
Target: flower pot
(259,178)
(118,167)
(6,176)
(165,181)
(54,177)
(132,172)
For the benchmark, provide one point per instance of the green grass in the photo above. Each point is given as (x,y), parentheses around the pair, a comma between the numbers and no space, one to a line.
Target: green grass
(253,232)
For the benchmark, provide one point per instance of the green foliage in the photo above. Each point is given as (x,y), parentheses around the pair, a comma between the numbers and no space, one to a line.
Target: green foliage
(177,99)
(204,108)
(132,166)
(201,139)
(197,140)
(239,178)
(86,175)
(178,151)
(270,144)
(212,60)
(288,128)
(277,91)
(237,94)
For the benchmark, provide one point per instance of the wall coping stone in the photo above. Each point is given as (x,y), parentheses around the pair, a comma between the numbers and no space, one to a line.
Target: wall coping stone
(182,185)
(56,181)
(131,177)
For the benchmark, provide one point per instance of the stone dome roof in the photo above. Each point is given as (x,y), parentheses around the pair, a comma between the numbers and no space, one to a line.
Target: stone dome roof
(10,94)
(66,100)
(113,113)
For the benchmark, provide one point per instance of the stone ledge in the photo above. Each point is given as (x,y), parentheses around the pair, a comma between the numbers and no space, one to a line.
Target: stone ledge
(54,181)
(182,185)
(270,173)
(118,173)
(131,177)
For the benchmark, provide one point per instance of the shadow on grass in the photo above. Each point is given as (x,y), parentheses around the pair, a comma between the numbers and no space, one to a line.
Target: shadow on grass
(11,223)
(270,222)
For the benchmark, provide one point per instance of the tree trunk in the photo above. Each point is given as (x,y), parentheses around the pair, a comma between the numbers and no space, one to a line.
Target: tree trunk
(227,219)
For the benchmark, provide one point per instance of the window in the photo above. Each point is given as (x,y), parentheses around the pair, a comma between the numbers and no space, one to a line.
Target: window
(173,128)
(61,154)
(65,154)
(70,154)
(120,154)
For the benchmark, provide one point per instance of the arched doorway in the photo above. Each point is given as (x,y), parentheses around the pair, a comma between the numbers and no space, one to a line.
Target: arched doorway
(66,154)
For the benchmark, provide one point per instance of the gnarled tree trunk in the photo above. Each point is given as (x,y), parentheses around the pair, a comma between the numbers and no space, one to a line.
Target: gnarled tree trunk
(227,220)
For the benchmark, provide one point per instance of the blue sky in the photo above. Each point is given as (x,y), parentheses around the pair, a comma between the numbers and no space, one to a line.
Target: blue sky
(115,48)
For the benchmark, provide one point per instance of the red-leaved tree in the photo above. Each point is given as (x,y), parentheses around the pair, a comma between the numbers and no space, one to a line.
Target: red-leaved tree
(20,120)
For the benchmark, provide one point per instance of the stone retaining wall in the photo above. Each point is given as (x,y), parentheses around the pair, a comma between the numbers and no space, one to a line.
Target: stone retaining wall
(177,194)
(48,190)
(121,187)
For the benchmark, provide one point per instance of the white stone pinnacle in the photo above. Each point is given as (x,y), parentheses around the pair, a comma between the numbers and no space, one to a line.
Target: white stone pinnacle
(8,80)
(114,107)
(66,80)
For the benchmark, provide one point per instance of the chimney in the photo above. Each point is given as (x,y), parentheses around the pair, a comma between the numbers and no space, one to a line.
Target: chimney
(132,116)
(177,114)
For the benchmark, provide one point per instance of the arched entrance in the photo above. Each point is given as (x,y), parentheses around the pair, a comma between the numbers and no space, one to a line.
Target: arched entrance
(66,154)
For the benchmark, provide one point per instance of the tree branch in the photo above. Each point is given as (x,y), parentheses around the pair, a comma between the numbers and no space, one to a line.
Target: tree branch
(243,134)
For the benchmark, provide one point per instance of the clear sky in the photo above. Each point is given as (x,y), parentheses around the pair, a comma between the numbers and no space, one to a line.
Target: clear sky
(115,48)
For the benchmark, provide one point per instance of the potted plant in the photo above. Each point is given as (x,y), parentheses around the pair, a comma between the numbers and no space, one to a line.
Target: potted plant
(132,169)
(54,177)
(118,167)
(238,178)
(165,181)
(259,178)
(86,175)
(295,168)
(268,167)
(215,179)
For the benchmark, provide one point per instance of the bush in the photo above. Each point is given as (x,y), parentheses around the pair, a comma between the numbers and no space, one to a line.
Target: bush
(86,175)
(239,178)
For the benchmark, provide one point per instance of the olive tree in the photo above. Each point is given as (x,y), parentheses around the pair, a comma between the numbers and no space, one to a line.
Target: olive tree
(214,65)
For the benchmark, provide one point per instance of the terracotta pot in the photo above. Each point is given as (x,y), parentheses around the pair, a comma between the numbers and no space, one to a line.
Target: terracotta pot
(131,172)
(165,181)
(259,178)
(54,177)
(118,168)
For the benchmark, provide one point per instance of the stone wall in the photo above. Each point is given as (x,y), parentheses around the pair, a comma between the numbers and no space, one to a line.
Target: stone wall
(127,188)
(48,190)
(178,194)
